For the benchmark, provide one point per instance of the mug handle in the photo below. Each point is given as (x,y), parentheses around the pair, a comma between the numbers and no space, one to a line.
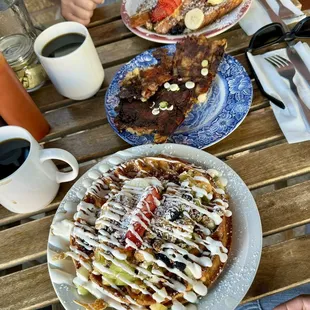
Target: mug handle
(63,156)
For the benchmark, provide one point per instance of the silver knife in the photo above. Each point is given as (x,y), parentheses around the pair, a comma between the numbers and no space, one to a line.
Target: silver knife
(298,63)
(273,16)
(291,51)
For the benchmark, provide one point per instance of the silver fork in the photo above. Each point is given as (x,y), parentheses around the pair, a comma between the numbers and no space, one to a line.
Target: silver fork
(286,69)
(284,12)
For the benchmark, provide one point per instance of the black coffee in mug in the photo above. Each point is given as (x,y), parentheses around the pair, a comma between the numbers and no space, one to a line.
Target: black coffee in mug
(63,45)
(13,154)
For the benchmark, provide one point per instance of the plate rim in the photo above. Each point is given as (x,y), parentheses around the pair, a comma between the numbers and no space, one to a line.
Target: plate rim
(179,148)
(154,37)
(169,46)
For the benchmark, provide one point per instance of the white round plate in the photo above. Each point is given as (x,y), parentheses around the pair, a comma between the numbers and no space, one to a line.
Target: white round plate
(235,280)
(129,8)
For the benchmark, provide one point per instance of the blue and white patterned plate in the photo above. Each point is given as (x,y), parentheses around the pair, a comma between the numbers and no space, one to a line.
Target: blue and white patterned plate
(228,103)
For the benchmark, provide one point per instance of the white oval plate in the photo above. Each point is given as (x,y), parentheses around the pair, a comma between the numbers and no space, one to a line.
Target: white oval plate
(129,8)
(235,280)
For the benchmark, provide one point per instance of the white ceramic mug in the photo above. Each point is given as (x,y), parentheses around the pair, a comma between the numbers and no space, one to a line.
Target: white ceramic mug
(36,182)
(77,75)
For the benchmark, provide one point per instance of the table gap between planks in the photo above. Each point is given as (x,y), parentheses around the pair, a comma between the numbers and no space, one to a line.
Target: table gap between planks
(256,150)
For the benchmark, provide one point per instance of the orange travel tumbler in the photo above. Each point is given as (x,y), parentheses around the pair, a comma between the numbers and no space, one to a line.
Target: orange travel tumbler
(16,106)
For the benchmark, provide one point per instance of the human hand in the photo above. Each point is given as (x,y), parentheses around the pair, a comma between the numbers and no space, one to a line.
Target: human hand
(79,11)
(299,303)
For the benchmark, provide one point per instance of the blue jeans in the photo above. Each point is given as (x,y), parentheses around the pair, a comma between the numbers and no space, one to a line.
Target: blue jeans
(268,303)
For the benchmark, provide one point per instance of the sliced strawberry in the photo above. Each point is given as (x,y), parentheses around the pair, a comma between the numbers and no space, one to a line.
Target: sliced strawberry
(163,9)
(148,207)
(129,235)
(169,7)
(158,14)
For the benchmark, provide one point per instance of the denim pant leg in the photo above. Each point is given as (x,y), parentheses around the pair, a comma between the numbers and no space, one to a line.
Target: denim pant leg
(253,305)
(269,302)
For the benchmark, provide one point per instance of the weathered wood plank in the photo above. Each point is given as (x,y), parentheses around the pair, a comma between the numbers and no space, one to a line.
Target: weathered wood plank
(259,101)
(114,53)
(27,289)
(273,164)
(111,32)
(105,14)
(77,117)
(285,208)
(278,271)
(257,169)
(58,306)
(47,97)
(91,144)
(24,243)
(258,128)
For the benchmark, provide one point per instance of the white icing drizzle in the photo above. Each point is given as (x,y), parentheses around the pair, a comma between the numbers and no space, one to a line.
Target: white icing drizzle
(115,160)
(60,277)
(201,179)
(87,183)
(103,168)
(177,306)
(215,247)
(94,174)
(63,229)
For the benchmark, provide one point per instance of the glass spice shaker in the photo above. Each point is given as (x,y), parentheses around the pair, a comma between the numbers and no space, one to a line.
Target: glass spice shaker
(19,53)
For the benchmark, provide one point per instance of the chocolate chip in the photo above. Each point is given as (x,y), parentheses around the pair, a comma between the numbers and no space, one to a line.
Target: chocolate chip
(164,259)
(173,214)
(179,265)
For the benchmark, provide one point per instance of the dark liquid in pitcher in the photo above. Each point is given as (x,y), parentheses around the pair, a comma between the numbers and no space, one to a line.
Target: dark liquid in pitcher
(13,154)
(63,45)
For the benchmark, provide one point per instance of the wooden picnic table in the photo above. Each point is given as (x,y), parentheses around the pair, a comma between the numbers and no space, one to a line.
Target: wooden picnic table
(256,150)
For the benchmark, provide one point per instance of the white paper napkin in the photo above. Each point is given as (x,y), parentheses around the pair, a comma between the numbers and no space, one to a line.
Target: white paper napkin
(258,17)
(291,120)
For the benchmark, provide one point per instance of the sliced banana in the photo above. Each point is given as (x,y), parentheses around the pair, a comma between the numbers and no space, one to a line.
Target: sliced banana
(143,182)
(215,2)
(194,19)
(202,98)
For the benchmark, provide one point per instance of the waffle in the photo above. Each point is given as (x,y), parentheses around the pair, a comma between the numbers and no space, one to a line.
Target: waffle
(152,232)
(141,110)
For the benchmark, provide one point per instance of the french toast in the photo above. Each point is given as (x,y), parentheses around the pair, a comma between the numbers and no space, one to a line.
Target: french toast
(174,23)
(192,70)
